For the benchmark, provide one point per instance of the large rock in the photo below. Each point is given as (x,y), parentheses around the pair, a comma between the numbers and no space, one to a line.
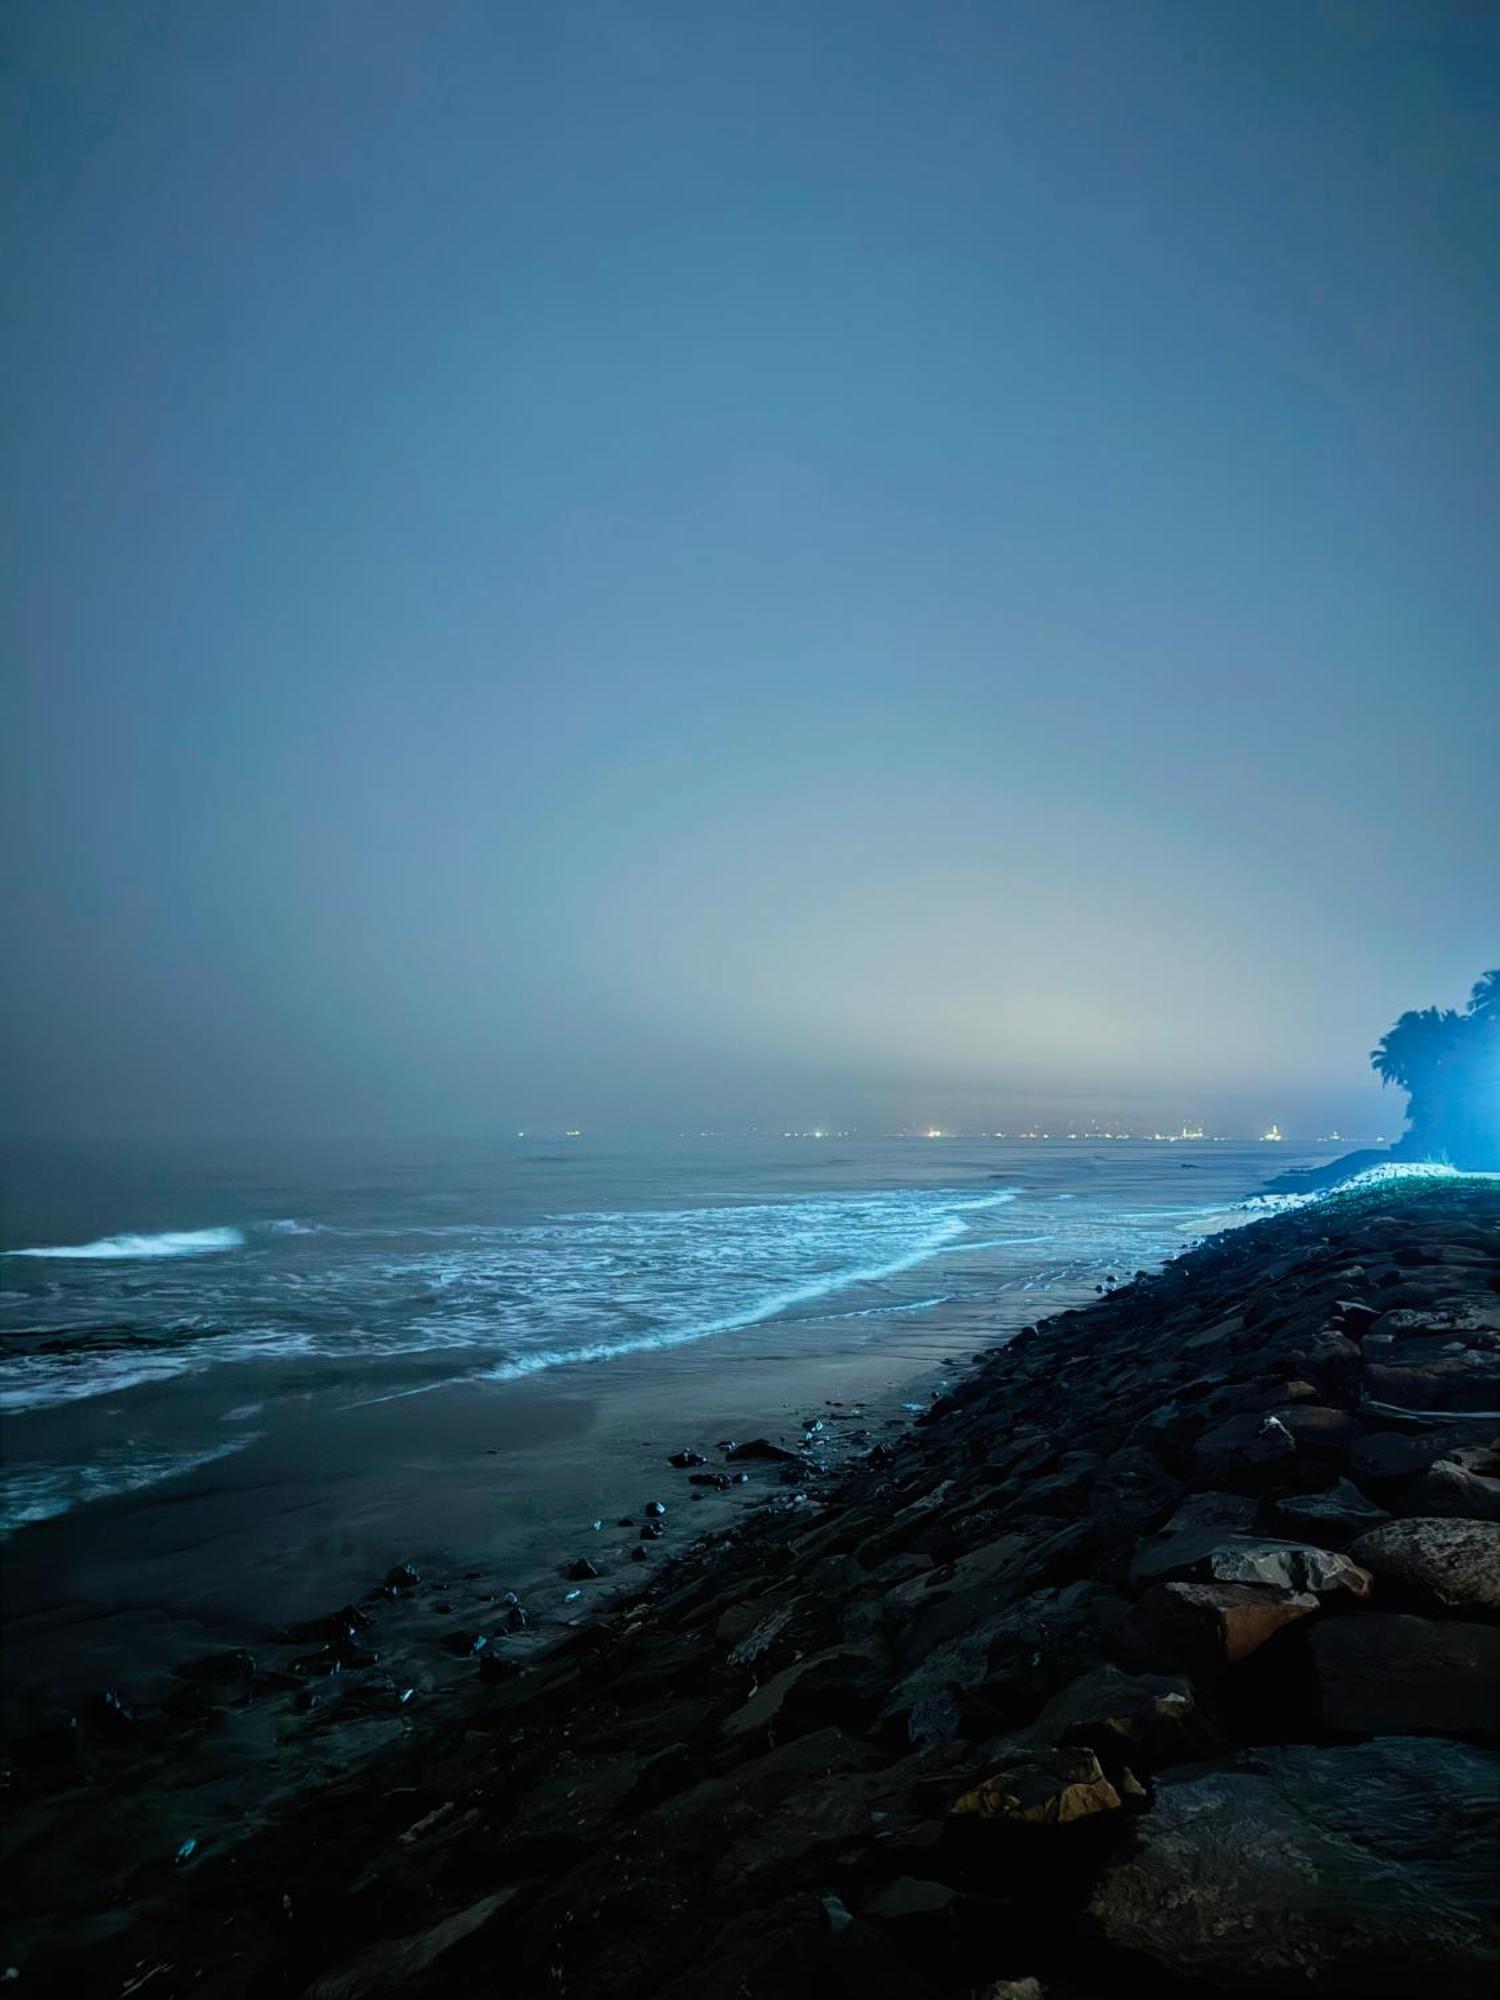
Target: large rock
(1386,1675)
(1221,1558)
(1200,1626)
(1199,1524)
(1455,1561)
(1132,1492)
(1319,1429)
(1464,1484)
(1151,1718)
(1021,1654)
(1331,1517)
(813,1689)
(1466,1381)
(1462,1313)
(1367,1869)
(1250,1453)
(1294,1566)
(763,1448)
(1383,1461)
(1329,1357)
(932,1608)
(391,1966)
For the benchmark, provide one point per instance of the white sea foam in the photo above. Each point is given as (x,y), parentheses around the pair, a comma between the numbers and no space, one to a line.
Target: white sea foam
(169,1243)
(41,1493)
(771,1306)
(43,1381)
(562,1289)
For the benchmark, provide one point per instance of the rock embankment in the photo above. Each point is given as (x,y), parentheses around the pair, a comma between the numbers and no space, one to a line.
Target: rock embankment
(1164,1655)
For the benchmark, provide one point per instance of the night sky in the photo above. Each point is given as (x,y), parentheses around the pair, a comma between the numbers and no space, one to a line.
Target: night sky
(806,561)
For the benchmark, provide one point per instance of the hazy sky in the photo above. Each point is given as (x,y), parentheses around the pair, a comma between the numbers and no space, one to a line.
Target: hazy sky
(786,561)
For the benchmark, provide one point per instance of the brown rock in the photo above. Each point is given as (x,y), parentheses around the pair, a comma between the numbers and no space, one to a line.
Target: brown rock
(1048,1790)
(1200,1626)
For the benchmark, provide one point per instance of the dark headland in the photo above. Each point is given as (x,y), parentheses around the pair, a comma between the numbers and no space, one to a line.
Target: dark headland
(1163,1655)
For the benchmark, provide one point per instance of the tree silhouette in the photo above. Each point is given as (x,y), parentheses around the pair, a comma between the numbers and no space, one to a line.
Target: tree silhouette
(1448,1063)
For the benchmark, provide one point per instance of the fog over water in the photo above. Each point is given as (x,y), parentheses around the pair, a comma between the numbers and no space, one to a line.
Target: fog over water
(649,566)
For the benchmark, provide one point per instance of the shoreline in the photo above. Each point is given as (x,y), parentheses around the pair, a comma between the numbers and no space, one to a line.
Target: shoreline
(330,1486)
(870,1610)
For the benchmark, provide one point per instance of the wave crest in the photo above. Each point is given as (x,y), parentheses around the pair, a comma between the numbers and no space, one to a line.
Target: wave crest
(169,1243)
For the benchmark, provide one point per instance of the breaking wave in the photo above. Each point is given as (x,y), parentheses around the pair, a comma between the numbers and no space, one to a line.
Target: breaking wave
(514,1299)
(115,1249)
(41,1493)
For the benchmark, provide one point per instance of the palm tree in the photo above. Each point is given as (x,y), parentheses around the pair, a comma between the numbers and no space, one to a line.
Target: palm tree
(1448,1063)
(1411,1052)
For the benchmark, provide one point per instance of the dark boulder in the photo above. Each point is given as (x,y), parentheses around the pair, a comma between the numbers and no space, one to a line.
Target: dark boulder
(1364,1869)
(1332,1517)
(1250,1453)
(1384,1461)
(1132,1492)
(1454,1561)
(1456,1486)
(1148,1719)
(1202,1520)
(821,1688)
(762,1448)
(1395,1675)
(1320,1430)
(1328,1357)
(1467,1381)
(338,1625)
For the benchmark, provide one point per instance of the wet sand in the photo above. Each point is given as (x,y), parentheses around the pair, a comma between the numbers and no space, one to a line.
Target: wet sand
(465,1476)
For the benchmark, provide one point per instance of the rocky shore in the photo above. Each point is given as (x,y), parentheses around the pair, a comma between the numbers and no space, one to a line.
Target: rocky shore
(1162,1655)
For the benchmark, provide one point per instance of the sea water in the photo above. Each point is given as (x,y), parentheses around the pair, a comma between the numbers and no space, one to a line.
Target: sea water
(165,1311)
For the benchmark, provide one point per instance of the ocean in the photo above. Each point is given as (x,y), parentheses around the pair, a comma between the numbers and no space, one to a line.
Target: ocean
(228,1376)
